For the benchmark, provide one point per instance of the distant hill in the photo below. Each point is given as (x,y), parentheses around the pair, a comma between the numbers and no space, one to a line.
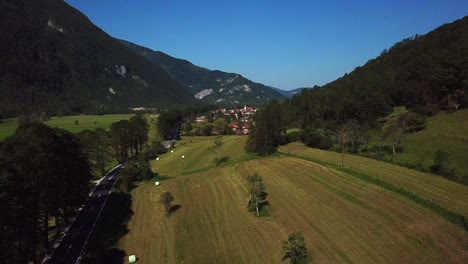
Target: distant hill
(215,87)
(426,73)
(53,59)
(293,92)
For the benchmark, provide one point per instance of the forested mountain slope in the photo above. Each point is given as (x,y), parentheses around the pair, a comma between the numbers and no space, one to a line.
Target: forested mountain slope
(215,87)
(426,73)
(54,60)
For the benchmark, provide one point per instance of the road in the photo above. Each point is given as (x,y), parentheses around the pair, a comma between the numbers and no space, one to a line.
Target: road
(173,135)
(71,246)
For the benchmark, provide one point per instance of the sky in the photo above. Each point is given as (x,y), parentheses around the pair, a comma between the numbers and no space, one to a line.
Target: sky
(286,44)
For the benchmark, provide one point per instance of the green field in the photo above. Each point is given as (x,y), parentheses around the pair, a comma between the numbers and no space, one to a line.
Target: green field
(344,219)
(8,126)
(446,132)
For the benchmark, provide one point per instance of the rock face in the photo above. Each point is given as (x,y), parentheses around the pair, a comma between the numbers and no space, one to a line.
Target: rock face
(54,60)
(215,87)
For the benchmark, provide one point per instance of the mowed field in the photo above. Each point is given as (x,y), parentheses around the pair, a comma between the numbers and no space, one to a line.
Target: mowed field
(343,219)
(8,126)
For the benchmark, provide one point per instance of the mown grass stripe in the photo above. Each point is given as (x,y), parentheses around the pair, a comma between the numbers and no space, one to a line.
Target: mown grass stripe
(453,217)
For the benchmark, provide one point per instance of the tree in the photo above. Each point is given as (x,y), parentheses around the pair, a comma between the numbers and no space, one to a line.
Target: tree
(393,133)
(294,248)
(166,200)
(268,132)
(44,174)
(97,145)
(187,128)
(166,121)
(257,193)
(217,147)
(343,136)
(121,140)
(139,128)
(220,126)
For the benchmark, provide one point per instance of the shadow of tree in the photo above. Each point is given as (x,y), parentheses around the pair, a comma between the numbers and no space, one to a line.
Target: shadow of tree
(111,226)
(173,209)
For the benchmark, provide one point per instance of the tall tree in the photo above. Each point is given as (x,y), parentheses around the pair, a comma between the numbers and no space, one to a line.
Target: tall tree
(140,129)
(257,192)
(97,145)
(392,132)
(269,130)
(44,174)
(217,147)
(121,140)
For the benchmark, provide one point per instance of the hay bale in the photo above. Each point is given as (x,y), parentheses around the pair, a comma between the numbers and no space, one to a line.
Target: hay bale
(131,258)
(156,183)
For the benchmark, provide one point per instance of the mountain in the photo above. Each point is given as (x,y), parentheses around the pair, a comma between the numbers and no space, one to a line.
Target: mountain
(293,92)
(425,73)
(214,87)
(54,60)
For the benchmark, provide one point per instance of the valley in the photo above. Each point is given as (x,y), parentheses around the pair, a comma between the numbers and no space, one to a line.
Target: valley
(344,219)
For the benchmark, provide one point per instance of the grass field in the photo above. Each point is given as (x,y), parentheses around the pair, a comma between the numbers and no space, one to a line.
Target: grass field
(8,126)
(344,219)
(447,132)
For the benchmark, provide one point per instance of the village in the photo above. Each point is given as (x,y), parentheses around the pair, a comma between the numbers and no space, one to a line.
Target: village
(239,120)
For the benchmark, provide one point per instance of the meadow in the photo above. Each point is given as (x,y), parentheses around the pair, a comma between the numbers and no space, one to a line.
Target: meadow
(445,131)
(79,123)
(343,218)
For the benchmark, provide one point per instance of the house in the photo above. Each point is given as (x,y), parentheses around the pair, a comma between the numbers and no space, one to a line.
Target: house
(199,119)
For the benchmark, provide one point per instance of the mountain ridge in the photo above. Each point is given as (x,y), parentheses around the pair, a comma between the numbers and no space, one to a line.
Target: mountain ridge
(55,60)
(209,86)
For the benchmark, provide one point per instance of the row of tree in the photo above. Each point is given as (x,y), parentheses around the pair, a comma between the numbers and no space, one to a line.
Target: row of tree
(44,176)
(128,137)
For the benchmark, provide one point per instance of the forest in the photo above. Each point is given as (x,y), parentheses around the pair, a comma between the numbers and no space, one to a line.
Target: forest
(369,110)
(41,194)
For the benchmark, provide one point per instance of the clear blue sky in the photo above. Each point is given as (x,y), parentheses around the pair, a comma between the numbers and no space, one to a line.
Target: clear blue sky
(286,44)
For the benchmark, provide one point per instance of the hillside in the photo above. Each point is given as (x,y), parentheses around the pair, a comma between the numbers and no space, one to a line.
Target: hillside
(444,132)
(291,93)
(425,73)
(54,60)
(344,218)
(214,87)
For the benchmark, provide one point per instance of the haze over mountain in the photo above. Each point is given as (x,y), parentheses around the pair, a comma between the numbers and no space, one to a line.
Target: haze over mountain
(55,60)
(214,87)
(292,92)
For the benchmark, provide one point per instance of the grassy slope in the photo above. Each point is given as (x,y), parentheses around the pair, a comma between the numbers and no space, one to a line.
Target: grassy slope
(8,126)
(447,132)
(343,218)
(451,195)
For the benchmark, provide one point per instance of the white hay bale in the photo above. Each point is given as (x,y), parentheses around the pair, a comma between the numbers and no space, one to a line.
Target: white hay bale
(157,158)
(131,258)
(156,183)
(183,156)
(172,151)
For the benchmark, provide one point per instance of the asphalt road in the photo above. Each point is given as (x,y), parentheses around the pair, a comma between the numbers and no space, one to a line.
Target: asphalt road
(172,136)
(71,246)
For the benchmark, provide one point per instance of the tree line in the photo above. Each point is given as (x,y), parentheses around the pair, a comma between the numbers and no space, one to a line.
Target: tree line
(44,174)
